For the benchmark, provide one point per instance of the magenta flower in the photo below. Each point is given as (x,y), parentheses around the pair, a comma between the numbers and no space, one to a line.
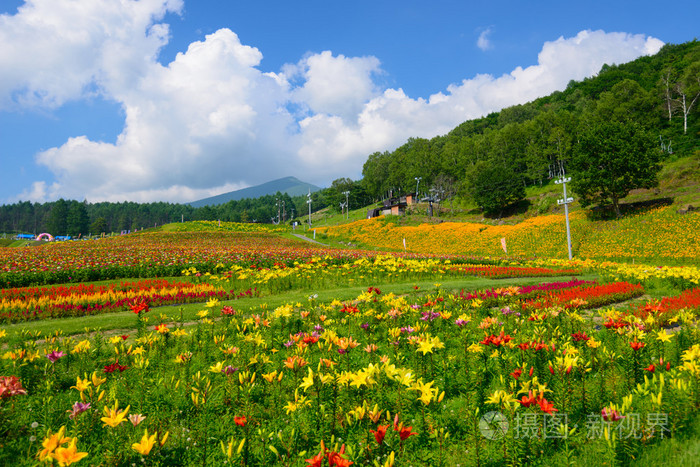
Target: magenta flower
(78,408)
(55,355)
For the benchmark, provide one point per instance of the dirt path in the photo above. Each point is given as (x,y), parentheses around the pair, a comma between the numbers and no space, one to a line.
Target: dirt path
(309,239)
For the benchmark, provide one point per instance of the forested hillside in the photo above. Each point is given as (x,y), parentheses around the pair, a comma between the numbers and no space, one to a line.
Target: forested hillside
(655,97)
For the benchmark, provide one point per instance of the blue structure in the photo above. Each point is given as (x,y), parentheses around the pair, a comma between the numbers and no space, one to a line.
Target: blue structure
(24,237)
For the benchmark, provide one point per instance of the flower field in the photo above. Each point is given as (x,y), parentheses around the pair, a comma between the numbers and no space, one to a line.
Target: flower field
(656,235)
(396,379)
(489,375)
(81,300)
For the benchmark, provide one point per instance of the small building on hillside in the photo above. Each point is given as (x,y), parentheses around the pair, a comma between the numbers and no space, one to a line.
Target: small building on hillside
(395,206)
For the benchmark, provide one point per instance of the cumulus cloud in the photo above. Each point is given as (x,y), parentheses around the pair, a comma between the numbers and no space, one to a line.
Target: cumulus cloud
(59,50)
(212,121)
(483,42)
(338,86)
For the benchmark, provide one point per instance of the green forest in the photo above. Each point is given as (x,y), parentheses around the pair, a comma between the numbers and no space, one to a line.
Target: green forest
(610,133)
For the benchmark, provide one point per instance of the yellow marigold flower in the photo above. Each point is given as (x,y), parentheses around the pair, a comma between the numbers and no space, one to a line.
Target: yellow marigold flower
(146,444)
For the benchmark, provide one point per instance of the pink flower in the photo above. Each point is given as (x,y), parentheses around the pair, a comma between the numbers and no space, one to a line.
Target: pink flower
(611,415)
(78,408)
(55,355)
(136,418)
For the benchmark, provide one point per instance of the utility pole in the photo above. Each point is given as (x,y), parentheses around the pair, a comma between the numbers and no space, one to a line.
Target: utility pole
(308,201)
(565,201)
(418,179)
(347,204)
(277,202)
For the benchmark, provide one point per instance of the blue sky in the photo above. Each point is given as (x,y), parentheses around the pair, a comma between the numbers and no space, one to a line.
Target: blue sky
(177,100)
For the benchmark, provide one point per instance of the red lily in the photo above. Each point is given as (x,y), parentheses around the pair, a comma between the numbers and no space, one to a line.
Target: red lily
(516,374)
(240,421)
(546,406)
(406,432)
(636,345)
(529,400)
(380,433)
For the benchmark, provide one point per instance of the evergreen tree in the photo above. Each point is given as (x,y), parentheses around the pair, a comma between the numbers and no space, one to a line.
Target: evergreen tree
(77,220)
(56,222)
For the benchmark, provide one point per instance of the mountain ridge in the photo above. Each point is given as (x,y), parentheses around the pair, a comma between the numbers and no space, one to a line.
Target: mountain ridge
(290,185)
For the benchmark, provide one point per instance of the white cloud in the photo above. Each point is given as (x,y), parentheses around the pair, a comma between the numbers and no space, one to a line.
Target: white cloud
(335,85)
(58,50)
(483,42)
(212,121)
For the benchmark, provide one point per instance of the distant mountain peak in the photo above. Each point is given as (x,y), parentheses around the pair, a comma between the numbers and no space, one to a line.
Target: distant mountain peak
(290,185)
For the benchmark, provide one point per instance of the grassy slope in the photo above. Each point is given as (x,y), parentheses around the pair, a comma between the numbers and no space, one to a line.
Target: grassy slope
(594,234)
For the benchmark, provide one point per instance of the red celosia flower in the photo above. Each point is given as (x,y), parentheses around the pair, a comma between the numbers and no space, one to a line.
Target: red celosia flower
(380,433)
(240,421)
